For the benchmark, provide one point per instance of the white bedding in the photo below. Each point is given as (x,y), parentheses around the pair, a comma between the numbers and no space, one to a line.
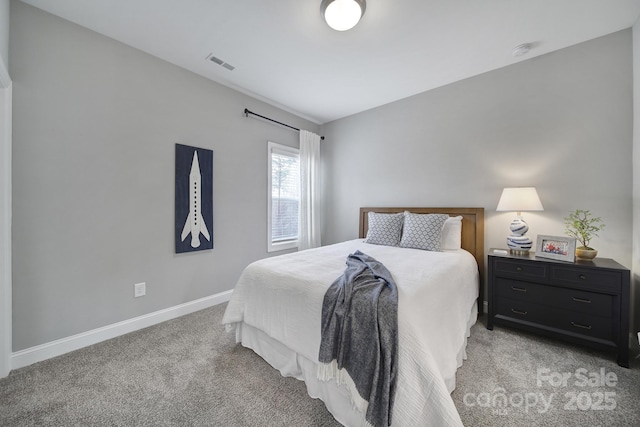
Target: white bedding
(276,310)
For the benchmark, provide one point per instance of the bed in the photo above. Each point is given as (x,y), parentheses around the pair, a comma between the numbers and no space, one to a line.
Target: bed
(276,311)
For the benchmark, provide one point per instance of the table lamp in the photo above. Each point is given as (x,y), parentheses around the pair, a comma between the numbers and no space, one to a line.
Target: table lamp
(519,199)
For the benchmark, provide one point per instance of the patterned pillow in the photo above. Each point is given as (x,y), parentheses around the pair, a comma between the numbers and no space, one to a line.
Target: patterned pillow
(422,231)
(384,229)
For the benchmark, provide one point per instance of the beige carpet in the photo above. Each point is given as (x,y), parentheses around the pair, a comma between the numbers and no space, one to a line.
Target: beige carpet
(189,372)
(512,378)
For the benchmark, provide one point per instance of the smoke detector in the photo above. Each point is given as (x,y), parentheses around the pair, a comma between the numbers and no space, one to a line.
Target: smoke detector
(522,49)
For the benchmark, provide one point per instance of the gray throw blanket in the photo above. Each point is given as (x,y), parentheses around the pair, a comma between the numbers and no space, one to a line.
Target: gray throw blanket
(360,336)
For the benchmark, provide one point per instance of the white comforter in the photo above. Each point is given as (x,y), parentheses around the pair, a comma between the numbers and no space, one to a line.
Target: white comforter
(282,297)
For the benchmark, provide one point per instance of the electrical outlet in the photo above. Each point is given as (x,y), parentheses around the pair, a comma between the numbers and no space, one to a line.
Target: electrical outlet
(139,289)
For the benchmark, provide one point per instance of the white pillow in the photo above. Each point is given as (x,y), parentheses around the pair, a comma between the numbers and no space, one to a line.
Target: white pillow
(384,229)
(422,231)
(451,234)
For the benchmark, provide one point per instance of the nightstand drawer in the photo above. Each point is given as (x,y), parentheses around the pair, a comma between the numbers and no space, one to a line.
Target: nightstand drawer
(588,279)
(521,269)
(553,296)
(520,310)
(585,302)
(522,291)
(583,324)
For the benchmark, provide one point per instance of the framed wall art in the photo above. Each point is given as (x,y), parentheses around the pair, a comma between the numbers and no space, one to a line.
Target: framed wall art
(194,199)
(556,247)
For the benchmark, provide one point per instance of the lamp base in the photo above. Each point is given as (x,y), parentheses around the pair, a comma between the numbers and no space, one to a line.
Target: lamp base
(519,244)
(519,252)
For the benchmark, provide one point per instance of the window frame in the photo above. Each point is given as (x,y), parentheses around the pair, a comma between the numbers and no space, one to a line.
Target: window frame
(274,147)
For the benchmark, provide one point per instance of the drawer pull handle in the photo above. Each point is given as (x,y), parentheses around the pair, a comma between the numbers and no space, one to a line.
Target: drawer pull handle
(586,301)
(518,268)
(577,325)
(523,313)
(582,277)
(518,289)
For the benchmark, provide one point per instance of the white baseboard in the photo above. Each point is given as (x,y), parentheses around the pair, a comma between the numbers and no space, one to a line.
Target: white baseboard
(55,348)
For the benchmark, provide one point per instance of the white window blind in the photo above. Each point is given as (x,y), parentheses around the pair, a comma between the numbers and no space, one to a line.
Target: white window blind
(284,197)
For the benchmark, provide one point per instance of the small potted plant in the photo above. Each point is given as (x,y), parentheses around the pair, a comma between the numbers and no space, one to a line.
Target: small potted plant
(582,225)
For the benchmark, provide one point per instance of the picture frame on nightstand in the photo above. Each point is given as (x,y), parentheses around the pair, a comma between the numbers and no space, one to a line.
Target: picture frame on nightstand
(561,248)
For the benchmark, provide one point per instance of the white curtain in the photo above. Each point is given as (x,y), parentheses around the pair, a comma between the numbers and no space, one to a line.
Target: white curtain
(309,190)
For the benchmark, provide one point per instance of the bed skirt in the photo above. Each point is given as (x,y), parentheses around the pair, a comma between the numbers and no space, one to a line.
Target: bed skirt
(336,399)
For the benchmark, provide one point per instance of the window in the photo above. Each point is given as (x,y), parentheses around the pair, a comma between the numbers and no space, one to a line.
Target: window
(283,197)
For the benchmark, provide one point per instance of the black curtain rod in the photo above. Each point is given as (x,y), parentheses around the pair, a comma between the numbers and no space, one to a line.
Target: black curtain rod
(247,112)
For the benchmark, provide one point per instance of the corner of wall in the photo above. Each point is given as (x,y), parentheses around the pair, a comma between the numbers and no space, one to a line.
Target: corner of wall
(635,263)
(6,335)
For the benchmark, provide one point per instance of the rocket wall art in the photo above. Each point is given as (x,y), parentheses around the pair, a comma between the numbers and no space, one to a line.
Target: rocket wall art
(194,199)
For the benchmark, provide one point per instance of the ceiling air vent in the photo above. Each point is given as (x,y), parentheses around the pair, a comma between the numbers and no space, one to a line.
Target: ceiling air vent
(220,62)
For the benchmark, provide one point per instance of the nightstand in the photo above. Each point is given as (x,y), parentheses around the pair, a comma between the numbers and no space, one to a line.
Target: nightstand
(583,302)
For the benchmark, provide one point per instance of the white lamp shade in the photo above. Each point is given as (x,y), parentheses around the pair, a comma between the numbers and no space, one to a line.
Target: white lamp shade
(342,15)
(519,199)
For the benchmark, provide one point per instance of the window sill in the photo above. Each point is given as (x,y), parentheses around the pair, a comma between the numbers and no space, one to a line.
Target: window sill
(275,247)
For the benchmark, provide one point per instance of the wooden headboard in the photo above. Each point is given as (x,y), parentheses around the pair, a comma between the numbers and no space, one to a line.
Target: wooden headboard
(472,232)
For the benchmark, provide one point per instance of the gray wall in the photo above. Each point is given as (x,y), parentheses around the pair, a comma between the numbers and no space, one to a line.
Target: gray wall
(5,194)
(636,176)
(95,125)
(4,31)
(561,122)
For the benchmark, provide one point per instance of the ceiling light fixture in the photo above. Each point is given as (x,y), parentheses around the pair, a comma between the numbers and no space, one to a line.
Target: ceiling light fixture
(342,15)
